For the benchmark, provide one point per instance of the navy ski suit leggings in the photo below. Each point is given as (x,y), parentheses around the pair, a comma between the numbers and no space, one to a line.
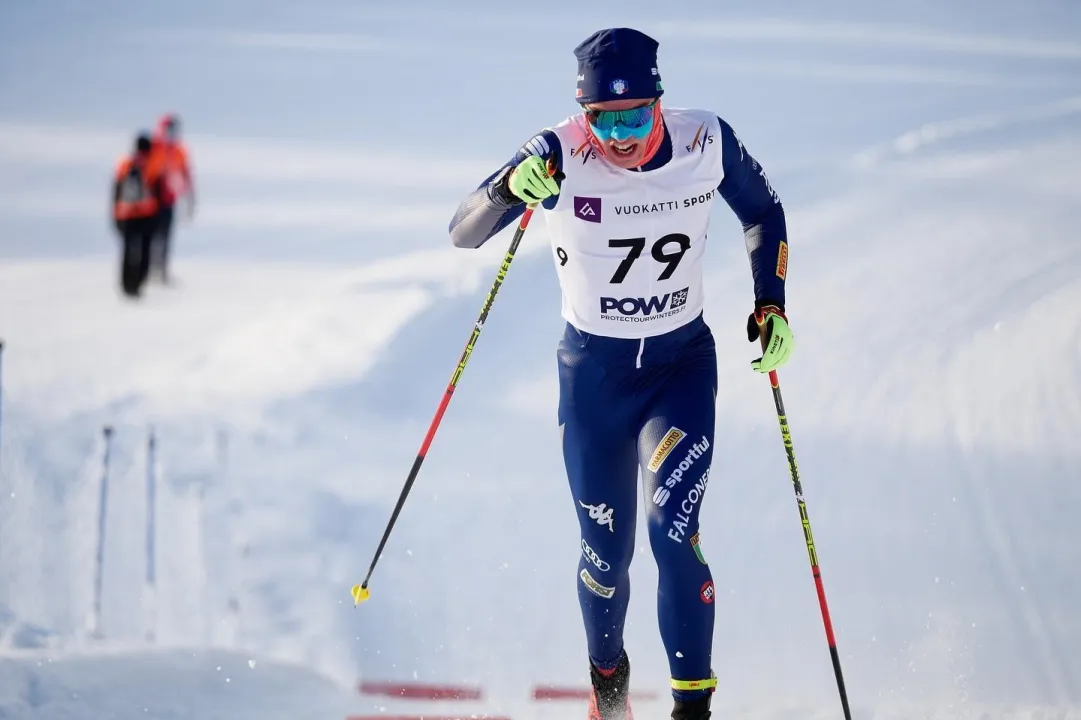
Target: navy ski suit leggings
(641,405)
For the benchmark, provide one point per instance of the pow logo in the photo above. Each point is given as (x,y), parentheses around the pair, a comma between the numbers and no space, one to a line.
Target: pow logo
(701,138)
(679,297)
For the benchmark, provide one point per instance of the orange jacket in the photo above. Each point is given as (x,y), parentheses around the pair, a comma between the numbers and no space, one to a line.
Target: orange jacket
(136,191)
(169,160)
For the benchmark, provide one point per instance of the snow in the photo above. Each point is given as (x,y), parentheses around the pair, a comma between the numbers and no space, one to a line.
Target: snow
(931,185)
(166,684)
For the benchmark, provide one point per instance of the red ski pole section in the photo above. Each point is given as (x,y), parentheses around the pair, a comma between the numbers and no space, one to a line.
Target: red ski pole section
(419,691)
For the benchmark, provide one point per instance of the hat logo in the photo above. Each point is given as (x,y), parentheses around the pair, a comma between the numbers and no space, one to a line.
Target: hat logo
(618,86)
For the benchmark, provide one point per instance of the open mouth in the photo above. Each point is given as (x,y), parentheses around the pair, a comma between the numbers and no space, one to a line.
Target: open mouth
(625,148)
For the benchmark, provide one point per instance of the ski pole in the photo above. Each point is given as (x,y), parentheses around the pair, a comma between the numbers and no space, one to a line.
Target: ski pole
(812,553)
(360,592)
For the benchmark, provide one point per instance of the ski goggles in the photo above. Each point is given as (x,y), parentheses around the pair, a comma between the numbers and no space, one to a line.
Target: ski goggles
(636,122)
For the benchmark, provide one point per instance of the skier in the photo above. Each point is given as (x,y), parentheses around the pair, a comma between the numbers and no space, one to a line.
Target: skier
(627,188)
(136,200)
(169,159)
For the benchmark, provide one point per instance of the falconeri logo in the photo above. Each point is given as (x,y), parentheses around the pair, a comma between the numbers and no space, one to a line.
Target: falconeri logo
(587,208)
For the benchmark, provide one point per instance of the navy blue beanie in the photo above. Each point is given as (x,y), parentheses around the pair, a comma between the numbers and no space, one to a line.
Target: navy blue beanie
(617,64)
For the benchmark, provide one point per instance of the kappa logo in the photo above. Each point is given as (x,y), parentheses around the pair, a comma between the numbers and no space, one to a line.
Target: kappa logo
(701,138)
(595,587)
(667,443)
(587,208)
(601,514)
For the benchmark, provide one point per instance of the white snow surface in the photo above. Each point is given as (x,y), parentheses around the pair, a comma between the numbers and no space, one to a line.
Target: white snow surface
(930,165)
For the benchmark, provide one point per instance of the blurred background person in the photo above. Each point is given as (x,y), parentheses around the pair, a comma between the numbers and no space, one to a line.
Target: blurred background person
(169,160)
(137,201)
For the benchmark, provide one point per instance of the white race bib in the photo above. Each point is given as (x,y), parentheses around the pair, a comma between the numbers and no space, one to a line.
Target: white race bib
(628,245)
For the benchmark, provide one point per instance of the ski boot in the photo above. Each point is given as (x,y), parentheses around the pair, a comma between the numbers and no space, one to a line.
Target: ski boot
(697,709)
(608,699)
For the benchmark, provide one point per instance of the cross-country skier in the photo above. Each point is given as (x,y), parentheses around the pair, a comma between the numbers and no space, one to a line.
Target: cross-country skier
(627,189)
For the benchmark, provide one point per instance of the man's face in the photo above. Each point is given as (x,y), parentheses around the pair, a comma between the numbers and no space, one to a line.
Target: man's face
(622,127)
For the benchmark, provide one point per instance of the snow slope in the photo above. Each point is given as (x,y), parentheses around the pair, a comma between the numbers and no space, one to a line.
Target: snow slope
(140,682)
(934,396)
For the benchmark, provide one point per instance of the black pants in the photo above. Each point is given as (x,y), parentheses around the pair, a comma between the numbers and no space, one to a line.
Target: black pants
(159,247)
(137,235)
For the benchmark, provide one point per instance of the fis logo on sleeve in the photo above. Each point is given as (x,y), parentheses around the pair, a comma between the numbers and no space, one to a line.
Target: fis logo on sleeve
(667,444)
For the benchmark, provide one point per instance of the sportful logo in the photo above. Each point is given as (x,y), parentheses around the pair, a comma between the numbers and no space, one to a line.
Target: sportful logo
(602,514)
(663,492)
(587,208)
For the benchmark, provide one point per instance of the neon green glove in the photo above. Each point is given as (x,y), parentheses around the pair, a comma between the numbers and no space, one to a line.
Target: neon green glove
(531,182)
(770,324)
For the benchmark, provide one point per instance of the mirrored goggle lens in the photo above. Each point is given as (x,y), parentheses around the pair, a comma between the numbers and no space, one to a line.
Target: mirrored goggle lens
(605,120)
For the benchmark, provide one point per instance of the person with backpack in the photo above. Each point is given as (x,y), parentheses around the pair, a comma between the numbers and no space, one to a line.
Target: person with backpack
(136,202)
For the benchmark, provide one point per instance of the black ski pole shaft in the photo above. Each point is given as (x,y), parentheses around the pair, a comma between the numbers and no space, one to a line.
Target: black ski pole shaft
(812,552)
(360,592)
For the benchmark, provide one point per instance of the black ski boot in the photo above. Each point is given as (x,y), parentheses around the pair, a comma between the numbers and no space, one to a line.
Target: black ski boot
(692,709)
(608,699)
